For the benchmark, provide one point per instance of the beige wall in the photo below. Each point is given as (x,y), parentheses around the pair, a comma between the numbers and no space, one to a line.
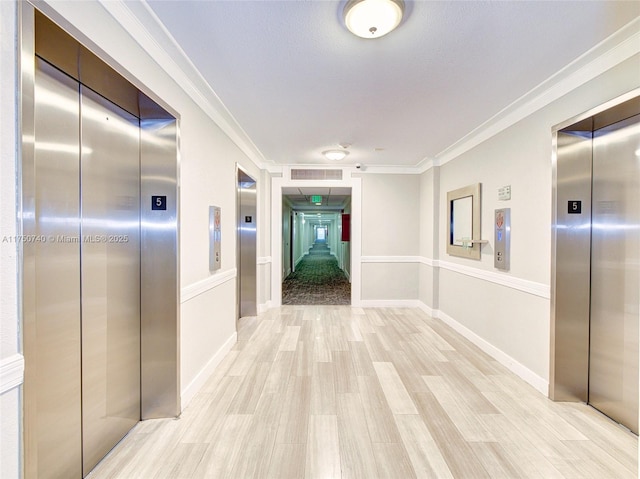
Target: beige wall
(390,214)
(508,319)
(390,227)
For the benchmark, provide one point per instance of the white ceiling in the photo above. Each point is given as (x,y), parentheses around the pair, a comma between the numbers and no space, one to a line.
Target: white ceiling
(298,82)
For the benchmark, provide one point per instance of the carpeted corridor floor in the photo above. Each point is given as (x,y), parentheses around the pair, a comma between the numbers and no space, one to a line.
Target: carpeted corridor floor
(317,280)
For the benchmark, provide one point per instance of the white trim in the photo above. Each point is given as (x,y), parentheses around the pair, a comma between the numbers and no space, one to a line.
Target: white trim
(391,259)
(348,181)
(526,286)
(205,373)
(503,279)
(539,383)
(11,372)
(428,309)
(426,165)
(503,358)
(264,307)
(153,37)
(157,42)
(263,260)
(390,303)
(213,281)
(612,51)
(388,170)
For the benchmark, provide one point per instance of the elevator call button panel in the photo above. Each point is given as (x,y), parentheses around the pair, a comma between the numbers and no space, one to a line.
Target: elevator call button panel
(215,237)
(502,229)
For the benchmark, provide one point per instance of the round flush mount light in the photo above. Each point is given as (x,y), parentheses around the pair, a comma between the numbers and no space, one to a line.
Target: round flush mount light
(372,18)
(335,155)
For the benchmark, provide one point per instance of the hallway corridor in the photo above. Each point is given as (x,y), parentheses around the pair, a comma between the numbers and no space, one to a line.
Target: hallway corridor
(341,392)
(317,280)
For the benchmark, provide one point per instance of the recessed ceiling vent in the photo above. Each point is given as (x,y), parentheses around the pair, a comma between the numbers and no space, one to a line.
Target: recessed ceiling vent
(311,174)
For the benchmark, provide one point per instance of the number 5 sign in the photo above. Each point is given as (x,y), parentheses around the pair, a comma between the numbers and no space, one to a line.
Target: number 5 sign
(158,202)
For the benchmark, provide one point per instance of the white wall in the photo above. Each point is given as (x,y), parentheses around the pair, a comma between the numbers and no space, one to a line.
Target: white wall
(390,229)
(11,362)
(429,236)
(264,240)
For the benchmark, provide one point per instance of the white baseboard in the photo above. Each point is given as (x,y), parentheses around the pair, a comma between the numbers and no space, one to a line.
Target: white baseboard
(389,303)
(205,373)
(427,309)
(503,358)
(262,308)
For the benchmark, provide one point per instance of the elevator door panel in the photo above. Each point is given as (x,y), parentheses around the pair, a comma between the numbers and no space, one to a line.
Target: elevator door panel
(56,351)
(247,245)
(615,272)
(110,275)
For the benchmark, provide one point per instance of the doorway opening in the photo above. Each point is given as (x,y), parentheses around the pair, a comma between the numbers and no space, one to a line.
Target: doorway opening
(316,266)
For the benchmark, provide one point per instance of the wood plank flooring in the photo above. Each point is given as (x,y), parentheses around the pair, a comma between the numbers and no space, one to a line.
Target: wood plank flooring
(340,392)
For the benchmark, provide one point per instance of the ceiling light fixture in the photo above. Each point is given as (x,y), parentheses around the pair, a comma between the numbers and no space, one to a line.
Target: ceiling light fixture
(372,18)
(335,155)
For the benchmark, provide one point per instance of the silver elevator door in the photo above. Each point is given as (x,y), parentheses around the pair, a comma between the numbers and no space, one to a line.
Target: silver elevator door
(615,272)
(110,274)
(247,246)
(87,269)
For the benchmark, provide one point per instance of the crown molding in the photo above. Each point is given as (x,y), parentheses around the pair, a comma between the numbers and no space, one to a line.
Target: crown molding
(388,170)
(158,43)
(427,164)
(146,29)
(612,51)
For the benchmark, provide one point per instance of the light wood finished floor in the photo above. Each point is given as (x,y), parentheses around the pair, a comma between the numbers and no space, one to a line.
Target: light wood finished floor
(341,392)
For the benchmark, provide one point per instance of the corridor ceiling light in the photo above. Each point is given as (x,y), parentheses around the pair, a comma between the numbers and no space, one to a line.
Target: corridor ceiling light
(335,155)
(372,18)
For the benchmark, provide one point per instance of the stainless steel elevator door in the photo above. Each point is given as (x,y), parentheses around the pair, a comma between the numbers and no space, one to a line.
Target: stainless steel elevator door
(615,272)
(55,359)
(247,245)
(110,172)
(86,359)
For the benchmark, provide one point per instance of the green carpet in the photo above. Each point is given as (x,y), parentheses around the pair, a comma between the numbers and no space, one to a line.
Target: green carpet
(317,280)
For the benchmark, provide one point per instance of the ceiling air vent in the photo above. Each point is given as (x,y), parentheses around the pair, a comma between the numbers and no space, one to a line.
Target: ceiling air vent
(298,174)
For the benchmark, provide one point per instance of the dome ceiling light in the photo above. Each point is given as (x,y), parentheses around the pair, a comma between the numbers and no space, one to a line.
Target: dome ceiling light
(373,18)
(335,155)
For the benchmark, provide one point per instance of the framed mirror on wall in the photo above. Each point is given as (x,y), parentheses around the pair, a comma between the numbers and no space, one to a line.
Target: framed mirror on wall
(463,222)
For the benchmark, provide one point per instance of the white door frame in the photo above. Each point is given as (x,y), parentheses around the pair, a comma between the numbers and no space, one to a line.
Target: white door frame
(277,183)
